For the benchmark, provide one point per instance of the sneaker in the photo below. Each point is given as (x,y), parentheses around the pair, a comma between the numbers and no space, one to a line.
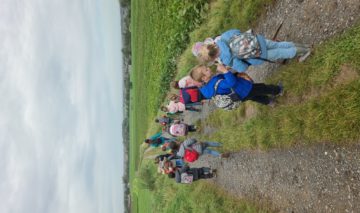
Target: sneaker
(272,103)
(305,56)
(281,92)
(213,172)
(225,155)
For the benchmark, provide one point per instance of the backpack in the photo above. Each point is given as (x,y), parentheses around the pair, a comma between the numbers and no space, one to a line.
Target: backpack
(245,45)
(191,155)
(180,129)
(186,178)
(226,102)
(190,95)
(164,121)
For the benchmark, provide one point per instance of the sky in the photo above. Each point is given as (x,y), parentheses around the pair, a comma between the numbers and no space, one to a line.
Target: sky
(61,106)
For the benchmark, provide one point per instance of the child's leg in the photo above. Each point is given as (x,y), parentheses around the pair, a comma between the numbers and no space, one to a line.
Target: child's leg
(275,44)
(280,50)
(260,99)
(211,152)
(261,89)
(191,128)
(213,144)
(190,108)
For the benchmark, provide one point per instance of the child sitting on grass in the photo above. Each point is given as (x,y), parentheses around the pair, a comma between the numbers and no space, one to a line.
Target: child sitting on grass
(228,83)
(239,50)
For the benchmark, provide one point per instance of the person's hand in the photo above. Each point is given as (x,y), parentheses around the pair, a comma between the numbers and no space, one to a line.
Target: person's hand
(221,68)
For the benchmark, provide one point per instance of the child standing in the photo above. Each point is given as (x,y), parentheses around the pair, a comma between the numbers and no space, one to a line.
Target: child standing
(188,175)
(241,50)
(227,83)
(191,149)
(157,140)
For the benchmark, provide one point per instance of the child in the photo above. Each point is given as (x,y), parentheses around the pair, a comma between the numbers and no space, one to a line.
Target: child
(164,120)
(180,129)
(241,50)
(157,140)
(227,83)
(190,149)
(177,107)
(186,81)
(188,175)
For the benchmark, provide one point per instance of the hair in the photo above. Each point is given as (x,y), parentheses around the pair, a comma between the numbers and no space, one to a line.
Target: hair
(173,145)
(173,97)
(164,109)
(156,120)
(148,141)
(175,84)
(196,73)
(207,53)
(171,175)
(213,50)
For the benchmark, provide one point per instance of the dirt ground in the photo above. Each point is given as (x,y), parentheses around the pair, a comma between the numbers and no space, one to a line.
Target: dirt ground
(319,178)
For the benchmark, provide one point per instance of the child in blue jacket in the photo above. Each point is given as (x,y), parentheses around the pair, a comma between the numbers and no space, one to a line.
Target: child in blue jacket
(244,89)
(219,50)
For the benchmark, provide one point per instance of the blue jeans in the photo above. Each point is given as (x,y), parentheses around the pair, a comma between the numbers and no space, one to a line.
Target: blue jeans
(210,151)
(280,50)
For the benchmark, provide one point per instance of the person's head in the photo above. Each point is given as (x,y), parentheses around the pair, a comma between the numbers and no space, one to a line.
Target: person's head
(174,97)
(206,52)
(171,175)
(201,73)
(173,146)
(164,109)
(175,84)
(148,141)
(157,120)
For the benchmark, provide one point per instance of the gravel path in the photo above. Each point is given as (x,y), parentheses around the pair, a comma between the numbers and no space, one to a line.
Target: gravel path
(320,178)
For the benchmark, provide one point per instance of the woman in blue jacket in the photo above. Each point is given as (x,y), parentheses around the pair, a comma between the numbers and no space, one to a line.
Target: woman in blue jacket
(245,89)
(218,50)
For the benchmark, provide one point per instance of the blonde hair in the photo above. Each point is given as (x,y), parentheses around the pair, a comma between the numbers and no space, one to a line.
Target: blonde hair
(196,73)
(207,53)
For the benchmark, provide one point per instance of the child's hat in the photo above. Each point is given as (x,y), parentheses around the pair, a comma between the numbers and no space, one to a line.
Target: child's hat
(197,47)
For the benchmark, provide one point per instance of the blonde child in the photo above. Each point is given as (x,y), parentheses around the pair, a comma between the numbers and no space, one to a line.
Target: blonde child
(254,50)
(227,82)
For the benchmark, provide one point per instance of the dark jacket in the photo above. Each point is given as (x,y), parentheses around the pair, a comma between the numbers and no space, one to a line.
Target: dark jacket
(241,86)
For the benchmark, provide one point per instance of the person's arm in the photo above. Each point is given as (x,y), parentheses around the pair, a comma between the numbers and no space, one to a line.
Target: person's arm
(239,66)
(187,143)
(228,34)
(157,135)
(230,79)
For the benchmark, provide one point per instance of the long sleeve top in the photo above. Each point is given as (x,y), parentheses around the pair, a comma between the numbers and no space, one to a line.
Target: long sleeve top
(241,86)
(228,59)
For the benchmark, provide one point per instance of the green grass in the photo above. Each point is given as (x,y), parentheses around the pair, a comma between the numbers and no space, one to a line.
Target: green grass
(314,109)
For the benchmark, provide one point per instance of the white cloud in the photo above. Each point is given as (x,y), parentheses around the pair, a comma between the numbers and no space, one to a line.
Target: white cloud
(60,140)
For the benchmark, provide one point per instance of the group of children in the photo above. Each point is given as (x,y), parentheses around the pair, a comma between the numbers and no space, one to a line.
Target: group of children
(175,162)
(232,53)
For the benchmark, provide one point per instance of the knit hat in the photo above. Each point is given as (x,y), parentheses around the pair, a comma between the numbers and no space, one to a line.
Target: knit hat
(196,49)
